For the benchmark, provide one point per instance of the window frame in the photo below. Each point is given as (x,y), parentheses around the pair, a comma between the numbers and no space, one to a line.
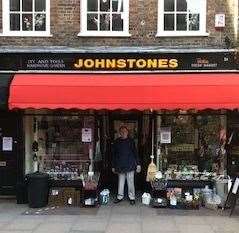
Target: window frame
(202,25)
(83,23)
(6,23)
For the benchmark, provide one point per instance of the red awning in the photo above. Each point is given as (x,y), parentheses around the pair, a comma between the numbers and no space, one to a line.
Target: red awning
(125,91)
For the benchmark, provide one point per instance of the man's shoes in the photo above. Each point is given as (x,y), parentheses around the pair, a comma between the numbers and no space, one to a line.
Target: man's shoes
(117,200)
(132,202)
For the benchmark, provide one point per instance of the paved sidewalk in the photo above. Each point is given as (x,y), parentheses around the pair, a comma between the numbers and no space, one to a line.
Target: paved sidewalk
(120,218)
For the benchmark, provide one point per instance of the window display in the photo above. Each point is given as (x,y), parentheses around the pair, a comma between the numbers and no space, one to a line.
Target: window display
(63,151)
(196,144)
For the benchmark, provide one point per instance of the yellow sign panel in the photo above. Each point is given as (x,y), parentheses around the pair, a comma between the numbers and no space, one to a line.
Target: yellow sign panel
(126,63)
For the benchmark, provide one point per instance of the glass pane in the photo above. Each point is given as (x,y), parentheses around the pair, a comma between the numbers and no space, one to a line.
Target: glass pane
(169,22)
(105,5)
(40,22)
(105,22)
(181,5)
(26,5)
(117,5)
(117,22)
(194,20)
(14,5)
(14,22)
(168,5)
(27,22)
(92,22)
(92,5)
(40,5)
(181,22)
(195,6)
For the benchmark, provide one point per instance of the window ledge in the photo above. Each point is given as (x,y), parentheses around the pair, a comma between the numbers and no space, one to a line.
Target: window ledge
(16,34)
(176,34)
(104,34)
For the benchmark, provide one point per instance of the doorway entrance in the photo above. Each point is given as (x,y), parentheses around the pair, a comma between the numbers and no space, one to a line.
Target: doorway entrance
(11,161)
(133,121)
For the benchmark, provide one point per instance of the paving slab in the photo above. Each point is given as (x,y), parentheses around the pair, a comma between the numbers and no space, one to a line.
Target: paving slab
(90,225)
(124,228)
(23,224)
(53,228)
(188,228)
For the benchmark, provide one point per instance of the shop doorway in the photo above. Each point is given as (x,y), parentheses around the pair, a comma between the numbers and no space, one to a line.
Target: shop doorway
(133,122)
(11,164)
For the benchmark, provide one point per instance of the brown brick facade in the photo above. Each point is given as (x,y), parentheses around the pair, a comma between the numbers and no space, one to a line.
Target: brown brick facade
(65,25)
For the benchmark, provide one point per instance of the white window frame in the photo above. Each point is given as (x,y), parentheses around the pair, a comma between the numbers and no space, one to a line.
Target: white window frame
(6,23)
(203,21)
(86,33)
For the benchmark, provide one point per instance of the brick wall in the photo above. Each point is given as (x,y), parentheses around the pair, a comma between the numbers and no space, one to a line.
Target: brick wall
(65,25)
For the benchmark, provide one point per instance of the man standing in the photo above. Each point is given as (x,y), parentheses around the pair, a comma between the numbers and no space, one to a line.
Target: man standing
(125,162)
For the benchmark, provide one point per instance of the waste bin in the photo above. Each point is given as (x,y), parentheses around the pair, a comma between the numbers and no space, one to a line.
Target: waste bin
(38,188)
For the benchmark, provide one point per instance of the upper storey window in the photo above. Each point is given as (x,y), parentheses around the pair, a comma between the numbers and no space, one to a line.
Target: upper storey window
(104,18)
(26,17)
(182,17)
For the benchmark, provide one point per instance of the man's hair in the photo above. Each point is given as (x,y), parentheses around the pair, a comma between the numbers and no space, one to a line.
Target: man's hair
(123,127)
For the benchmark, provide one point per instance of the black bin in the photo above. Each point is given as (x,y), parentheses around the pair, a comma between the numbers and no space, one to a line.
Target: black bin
(38,188)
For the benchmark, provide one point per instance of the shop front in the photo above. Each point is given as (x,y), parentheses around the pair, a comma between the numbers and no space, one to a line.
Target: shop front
(177,108)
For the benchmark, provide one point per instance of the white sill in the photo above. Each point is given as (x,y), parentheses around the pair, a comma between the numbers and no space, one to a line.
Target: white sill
(176,34)
(25,35)
(104,34)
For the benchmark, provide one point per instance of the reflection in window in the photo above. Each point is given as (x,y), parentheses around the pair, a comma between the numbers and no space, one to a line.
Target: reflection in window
(27,15)
(181,22)
(117,22)
(187,13)
(40,5)
(193,22)
(27,5)
(14,5)
(168,5)
(92,22)
(169,22)
(14,22)
(181,5)
(40,22)
(104,22)
(105,15)
(27,22)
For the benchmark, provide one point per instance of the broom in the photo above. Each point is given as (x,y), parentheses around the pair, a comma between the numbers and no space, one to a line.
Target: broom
(152,168)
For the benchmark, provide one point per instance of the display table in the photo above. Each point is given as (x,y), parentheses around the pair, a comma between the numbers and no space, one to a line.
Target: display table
(189,183)
(163,190)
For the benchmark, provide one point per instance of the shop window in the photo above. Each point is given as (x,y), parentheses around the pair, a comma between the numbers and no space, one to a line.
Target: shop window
(196,143)
(182,18)
(66,145)
(26,17)
(104,18)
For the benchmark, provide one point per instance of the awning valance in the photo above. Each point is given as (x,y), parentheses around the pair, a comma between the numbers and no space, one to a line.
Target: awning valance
(125,91)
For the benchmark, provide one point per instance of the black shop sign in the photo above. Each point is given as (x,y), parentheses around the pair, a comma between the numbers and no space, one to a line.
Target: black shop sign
(116,61)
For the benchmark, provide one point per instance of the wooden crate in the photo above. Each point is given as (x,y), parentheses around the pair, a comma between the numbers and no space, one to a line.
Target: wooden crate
(69,197)
(56,197)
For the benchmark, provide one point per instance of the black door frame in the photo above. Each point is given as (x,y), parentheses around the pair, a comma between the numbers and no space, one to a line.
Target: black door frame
(20,152)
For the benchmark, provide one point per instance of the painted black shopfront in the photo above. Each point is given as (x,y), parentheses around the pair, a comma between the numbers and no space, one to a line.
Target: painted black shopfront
(125,60)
